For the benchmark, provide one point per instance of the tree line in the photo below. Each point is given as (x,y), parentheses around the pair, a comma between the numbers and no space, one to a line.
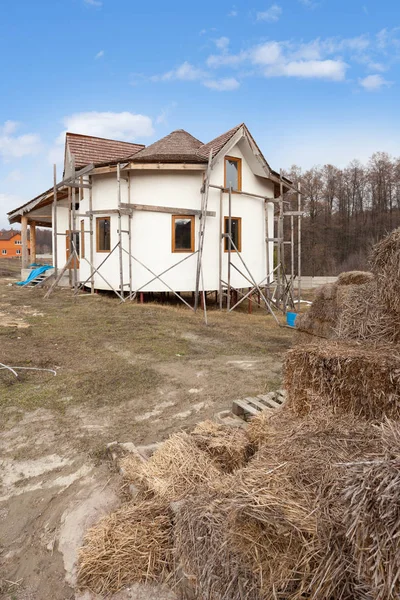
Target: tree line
(346,212)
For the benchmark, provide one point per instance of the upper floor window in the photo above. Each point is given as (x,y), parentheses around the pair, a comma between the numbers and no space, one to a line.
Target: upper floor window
(103,234)
(18,242)
(4,251)
(18,251)
(182,233)
(233,173)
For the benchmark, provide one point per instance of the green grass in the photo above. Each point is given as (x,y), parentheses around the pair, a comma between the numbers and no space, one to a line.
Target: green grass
(106,352)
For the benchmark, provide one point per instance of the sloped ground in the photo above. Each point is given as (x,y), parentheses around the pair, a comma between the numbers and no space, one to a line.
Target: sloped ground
(125,372)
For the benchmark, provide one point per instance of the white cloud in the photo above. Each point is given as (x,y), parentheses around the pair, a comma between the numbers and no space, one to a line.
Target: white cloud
(222,43)
(185,72)
(233,12)
(125,126)
(373,83)
(14,175)
(162,118)
(16,146)
(333,70)
(229,60)
(7,203)
(99,54)
(365,9)
(93,2)
(267,54)
(271,15)
(227,84)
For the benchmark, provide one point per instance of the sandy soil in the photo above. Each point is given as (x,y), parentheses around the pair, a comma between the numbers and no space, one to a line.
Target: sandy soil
(124,374)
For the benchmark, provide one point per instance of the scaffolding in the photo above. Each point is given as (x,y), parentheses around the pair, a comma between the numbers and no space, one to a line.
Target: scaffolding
(274,293)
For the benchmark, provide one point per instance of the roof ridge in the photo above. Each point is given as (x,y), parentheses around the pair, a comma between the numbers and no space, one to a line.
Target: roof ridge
(96,137)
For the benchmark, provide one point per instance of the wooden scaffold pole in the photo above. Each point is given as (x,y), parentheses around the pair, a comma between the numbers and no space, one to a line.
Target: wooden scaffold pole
(202,228)
(228,300)
(91,249)
(299,245)
(55,251)
(121,267)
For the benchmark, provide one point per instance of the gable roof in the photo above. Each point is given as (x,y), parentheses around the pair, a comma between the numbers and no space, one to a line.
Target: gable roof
(177,146)
(88,149)
(218,143)
(8,235)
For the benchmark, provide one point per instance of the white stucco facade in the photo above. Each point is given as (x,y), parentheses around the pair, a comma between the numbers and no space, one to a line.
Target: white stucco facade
(151,232)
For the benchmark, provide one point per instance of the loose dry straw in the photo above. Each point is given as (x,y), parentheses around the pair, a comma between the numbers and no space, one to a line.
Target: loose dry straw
(133,544)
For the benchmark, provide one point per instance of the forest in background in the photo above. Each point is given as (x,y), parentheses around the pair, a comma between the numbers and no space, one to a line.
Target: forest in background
(346,212)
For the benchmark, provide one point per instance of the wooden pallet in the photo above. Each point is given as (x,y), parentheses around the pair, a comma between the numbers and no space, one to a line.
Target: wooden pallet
(250,407)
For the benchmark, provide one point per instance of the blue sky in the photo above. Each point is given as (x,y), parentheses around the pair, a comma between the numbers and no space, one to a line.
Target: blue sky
(315,81)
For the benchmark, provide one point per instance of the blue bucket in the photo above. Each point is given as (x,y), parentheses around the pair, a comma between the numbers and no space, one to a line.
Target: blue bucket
(291,318)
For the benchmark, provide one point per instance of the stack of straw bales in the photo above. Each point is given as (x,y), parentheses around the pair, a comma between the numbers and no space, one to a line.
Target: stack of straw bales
(303,505)
(360,305)
(311,514)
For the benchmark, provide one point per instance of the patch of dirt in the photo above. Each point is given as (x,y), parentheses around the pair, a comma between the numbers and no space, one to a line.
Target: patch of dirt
(126,373)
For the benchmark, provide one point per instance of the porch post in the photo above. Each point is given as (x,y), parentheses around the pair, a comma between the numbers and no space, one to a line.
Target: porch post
(32,229)
(24,241)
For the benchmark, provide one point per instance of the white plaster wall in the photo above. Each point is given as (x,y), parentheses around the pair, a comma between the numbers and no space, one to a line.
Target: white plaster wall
(152,231)
(62,227)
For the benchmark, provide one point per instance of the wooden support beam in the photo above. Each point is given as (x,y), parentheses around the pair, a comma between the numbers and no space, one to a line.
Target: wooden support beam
(32,229)
(151,167)
(166,209)
(24,241)
(74,184)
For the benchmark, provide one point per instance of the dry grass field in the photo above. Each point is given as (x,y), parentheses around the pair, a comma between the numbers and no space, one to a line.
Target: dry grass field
(125,372)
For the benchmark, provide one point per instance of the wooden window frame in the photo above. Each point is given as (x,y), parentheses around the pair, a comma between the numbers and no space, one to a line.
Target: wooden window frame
(239,163)
(98,219)
(192,230)
(226,241)
(4,251)
(82,238)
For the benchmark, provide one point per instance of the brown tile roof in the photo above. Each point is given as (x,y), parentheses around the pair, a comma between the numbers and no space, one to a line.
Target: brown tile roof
(217,143)
(88,149)
(8,235)
(178,146)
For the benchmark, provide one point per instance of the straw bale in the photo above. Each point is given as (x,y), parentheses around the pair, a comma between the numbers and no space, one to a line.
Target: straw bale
(287,511)
(364,316)
(131,545)
(227,446)
(350,378)
(385,264)
(174,470)
(354,278)
(372,516)
(320,318)
(204,554)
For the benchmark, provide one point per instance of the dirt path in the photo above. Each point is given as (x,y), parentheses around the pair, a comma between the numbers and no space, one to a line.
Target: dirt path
(124,373)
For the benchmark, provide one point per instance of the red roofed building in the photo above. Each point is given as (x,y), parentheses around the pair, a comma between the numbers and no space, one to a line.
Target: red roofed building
(11,244)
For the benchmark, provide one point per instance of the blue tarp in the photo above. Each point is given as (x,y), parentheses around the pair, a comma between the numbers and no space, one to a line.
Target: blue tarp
(35,273)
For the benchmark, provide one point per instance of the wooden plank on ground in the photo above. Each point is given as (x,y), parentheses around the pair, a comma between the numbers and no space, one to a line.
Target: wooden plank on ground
(269,401)
(241,408)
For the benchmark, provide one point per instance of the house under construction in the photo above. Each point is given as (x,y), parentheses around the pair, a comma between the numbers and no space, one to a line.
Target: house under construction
(177,216)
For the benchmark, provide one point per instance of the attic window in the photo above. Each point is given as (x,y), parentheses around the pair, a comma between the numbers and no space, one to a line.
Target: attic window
(233,173)
(182,234)
(17,242)
(103,234)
